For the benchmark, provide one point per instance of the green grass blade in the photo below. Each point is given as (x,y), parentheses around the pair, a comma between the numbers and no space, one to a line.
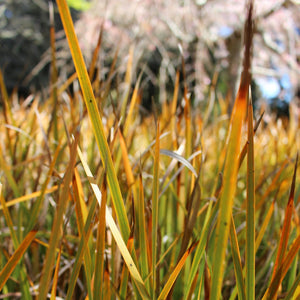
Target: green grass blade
(38,203)
(95,118)
(236,257)
(142,235)
(155,213)
(293,289)
(80,253)
(116,233)
(250,211)
(57,227)
(100,247)
(231,166)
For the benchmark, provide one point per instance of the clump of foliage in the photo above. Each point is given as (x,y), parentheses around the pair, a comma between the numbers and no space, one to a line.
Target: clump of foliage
(98,202)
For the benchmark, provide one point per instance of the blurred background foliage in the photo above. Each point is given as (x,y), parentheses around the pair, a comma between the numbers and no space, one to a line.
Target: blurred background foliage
(206,34)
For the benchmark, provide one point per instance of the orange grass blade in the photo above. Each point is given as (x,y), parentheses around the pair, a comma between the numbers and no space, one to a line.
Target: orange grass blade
(96,53)
(282,270)
(231,166)
(275,282)
(16,257)
(164,293)
(55,277)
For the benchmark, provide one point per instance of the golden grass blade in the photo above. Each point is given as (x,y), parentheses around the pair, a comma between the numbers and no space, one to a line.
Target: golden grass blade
(115,232)
(164,293)
(274,184)
(231,166)
(127,83)
(132,105)
(173,110)
(8,220)
(10,178)
(155,212)
(16,257)
(95,118)
(264,226)
(7,111)
(250,211)
(30,196)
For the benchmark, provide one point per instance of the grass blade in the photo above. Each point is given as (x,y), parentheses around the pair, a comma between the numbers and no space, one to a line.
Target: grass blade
(231,167)
(95,118)
(250,211)
(16,257)
(155,213)
(56,232)
(271,293)
(55,277)
(164,293)
(100,247)
(116,233)
(237,261)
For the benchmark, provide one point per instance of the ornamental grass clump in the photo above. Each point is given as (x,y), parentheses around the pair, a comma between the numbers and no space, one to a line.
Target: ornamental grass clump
(98,202)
